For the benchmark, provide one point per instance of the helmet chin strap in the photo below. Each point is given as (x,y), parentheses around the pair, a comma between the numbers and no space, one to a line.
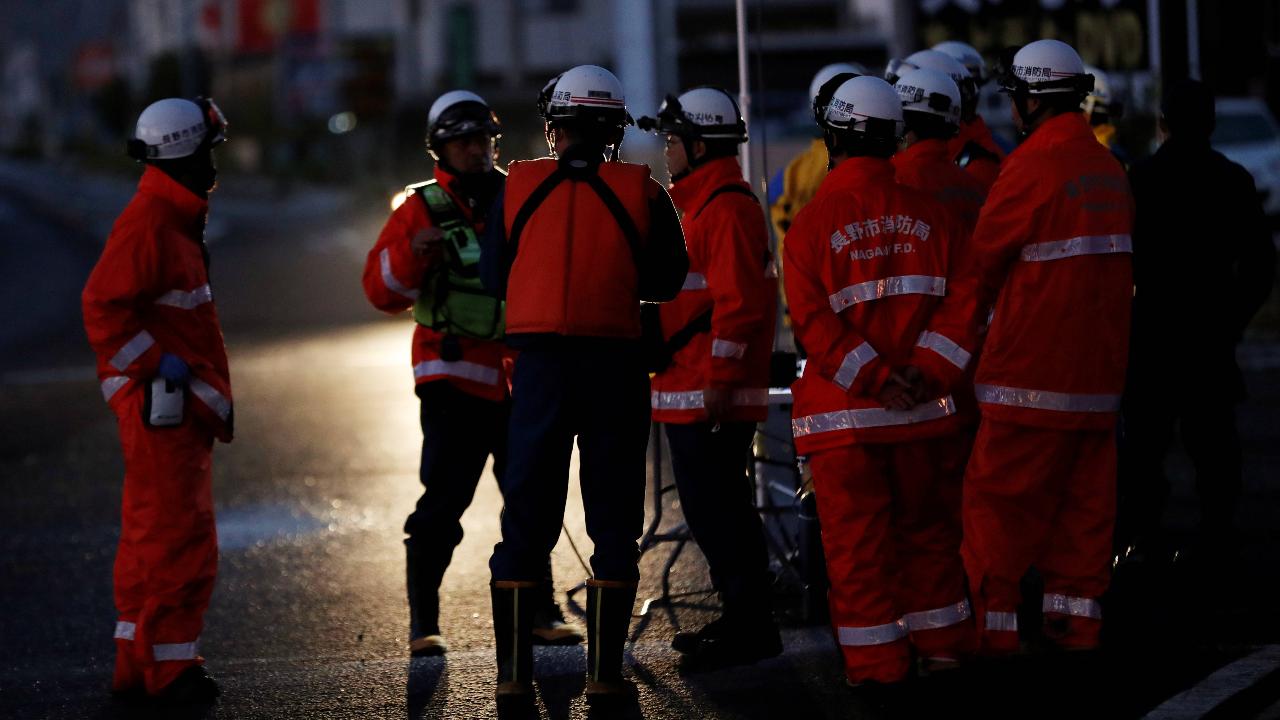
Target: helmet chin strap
(829,139)
(1029,118)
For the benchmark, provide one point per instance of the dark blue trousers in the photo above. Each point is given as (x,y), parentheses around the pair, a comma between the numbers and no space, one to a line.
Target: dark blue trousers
(716,498)
(596,390)
(459,432)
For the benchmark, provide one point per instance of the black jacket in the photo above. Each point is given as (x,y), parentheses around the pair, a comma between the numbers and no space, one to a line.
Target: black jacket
(1203,261)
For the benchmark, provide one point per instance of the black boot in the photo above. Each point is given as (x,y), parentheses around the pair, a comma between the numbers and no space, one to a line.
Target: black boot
(193,686)
(513,606)
(731,639)
(423,572)
(608,620)
(549,626)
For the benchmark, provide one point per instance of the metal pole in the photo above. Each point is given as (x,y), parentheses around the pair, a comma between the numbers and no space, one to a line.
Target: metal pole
(637,70)
(1193,39)
(744,93)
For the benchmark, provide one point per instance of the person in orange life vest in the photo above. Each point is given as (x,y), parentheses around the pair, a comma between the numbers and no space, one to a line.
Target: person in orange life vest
(931,112)
(868,262)
(459,359)
(1052,250)
(973,147)
(150,318)
(715,387)
(574,243)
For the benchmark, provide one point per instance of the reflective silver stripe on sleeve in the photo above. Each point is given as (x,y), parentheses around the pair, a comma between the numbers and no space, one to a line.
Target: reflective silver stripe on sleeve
(388,279)
(1002,621)
(771,270)
(216,401)
(872,417)
(873,635)
(854,361)
(1067,605)
(125,630)
(944,346)
(176,651)
(694,281)
(728,349)
(112,385)
(1076,246)
(1045,400)
(459,369)
(132,350)
(693,400)
(938,617)
(186,300)
(897,285)
(688,400)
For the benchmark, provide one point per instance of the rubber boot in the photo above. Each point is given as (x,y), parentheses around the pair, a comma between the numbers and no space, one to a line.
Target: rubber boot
(423,573)
(609,606)
(513,606)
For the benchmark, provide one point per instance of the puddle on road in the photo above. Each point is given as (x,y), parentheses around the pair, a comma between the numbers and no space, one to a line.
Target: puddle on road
(256,525)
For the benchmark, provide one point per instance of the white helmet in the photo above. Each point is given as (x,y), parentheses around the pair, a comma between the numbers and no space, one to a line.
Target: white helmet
(1047,67)
(941,62)
(457,113)
(703,113)
(968,56)
(1099,99)
(821,77)
(864,105)
(177,127)
(931,59)
(930,92)
(586,93)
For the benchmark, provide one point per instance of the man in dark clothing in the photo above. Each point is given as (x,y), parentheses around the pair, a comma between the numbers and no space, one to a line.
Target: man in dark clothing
(1204,263)
(577,241)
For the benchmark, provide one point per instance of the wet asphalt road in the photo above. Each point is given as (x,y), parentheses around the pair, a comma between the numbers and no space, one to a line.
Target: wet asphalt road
(309,620)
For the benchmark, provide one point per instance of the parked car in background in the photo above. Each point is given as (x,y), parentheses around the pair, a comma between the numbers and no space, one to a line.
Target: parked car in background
(1248,134)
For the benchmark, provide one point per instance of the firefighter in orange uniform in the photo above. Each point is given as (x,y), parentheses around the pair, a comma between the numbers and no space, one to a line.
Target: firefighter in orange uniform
(931,111)
(973,148)
(867,263)
(150,317)
(711,386)
(575,243)
(427,258)
(1052,251)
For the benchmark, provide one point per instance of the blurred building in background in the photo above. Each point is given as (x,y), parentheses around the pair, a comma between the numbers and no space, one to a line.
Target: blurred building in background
(330,89)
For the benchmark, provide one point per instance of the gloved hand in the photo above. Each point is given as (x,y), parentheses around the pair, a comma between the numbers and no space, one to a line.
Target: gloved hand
(174,369)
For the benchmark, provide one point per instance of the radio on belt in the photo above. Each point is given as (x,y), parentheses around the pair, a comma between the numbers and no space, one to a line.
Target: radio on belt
(163,407)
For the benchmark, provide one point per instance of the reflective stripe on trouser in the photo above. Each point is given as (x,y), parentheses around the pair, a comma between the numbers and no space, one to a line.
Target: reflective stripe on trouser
(1041,497)
(890,530)
(167,558)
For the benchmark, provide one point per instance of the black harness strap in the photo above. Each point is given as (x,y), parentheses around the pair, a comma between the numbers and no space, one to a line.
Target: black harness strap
(619,212)
(723,189)
(601,189)
(535,200)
